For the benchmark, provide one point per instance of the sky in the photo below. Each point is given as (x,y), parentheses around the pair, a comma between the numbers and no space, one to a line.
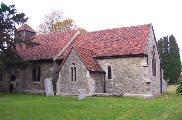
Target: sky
(92,15)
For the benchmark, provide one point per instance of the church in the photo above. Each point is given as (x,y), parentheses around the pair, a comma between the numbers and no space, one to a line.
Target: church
(120,61)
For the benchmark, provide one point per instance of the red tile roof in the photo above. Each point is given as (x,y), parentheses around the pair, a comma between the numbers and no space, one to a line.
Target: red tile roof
(116,42)
(50,45)
(87,57)
(26,28)
(105,43)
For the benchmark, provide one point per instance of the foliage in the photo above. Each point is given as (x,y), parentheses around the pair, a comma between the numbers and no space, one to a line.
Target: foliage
(82,30)
(65,25)
(9,19)
(34,107)
(179,89)
(54,22)
(170,58)
(50,19)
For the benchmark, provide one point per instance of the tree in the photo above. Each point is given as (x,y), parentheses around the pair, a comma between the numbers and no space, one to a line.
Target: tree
(174,60)
(9,19)
(54,22)
(50,19)
(163,51)
(170,58)
(65,25)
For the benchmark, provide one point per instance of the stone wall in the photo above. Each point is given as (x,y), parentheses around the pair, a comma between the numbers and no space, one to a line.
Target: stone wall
(133,75)
(5,82)
(24,80)
(99,81)
(46,72)
(155,85)
(127,75)
(65,85)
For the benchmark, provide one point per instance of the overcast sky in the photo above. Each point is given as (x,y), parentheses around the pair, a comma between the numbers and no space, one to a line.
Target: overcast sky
(165,15)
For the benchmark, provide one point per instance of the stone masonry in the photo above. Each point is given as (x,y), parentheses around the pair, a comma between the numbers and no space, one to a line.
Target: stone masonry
(24,81)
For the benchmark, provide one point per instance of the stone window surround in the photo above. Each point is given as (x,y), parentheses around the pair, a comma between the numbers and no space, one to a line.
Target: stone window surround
(109,72)
(37,70)
(1,76)
(145,64)
(153,62)
(73,72)
(106,71)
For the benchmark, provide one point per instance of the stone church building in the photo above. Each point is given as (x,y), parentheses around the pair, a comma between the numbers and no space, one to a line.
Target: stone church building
(120,61)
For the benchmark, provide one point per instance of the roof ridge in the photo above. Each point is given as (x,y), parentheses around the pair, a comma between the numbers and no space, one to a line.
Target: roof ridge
(26,27)
(57,32)
(132,26)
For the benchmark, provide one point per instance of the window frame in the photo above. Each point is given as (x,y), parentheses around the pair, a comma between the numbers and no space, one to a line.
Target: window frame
(1,75)
(73,72)
(36,74)
(146,60)
(109,72)
(154,71)
(154,65)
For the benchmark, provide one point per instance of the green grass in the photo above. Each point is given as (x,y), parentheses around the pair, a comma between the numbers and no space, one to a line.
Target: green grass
(35,107)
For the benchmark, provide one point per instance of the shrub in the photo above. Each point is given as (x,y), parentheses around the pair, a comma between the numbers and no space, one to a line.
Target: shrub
(179,89)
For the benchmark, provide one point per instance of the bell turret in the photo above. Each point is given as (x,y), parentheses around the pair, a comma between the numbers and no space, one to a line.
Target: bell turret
(25,32)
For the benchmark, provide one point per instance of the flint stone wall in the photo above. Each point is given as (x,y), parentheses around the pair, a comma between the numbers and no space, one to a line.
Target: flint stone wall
(155,85)
(127,75)
(46,72)
(24,81)
(65,85)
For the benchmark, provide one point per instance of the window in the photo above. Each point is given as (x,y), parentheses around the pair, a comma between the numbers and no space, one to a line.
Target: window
(154,66)
(1,75)
(36,73)
(146,60)
(109,76)
(153,62)
(73,72)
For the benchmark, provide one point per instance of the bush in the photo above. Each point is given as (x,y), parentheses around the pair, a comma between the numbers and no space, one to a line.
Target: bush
(179,89)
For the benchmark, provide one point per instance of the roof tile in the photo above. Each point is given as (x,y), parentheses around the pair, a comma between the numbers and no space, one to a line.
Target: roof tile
(25,27)
(91,45)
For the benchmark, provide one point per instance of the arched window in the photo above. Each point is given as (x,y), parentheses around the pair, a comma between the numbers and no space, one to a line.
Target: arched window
(36,73)
(153,62)
(154,66)
(109,72)
(1,75)
(73,72)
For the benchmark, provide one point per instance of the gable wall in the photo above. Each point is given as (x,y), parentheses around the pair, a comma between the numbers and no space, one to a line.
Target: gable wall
(155,80)
(65,86)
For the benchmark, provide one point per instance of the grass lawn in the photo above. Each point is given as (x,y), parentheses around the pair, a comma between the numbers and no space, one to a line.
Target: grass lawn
(36,107)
